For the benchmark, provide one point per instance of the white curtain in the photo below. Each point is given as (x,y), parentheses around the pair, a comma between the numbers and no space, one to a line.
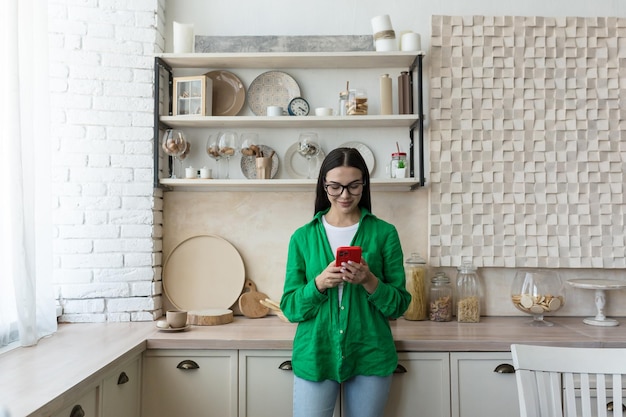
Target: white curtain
(27,306)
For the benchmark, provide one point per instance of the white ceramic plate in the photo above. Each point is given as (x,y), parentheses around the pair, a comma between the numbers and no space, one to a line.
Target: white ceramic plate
(248,165)
(365,152)
(296,164)
(229,93)
(272,88)
(203,272)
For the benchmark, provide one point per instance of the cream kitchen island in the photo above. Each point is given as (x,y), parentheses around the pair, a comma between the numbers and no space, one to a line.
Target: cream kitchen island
(79,359)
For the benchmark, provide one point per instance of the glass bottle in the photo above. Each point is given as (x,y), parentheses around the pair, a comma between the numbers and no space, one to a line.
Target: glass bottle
(416,285)
(343,103)
(440,298)
(468,294)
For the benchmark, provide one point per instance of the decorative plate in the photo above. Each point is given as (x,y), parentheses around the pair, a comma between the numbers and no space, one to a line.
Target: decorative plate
(365,152)
(202,272)
(229,93)
(272,88)
(296,164)
(248,164)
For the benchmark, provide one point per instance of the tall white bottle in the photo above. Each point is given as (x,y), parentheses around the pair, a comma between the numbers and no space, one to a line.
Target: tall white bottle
(385,94)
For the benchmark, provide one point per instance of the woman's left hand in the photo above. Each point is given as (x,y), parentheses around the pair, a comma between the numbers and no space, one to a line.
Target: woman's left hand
(359,273)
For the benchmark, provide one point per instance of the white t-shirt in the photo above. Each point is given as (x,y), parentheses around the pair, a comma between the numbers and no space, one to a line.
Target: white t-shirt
(339,236)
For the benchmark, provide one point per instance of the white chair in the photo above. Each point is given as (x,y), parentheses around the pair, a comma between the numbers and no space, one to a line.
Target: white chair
(570,382)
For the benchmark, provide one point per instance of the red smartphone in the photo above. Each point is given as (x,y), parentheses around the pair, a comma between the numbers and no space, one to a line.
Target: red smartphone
(348,253)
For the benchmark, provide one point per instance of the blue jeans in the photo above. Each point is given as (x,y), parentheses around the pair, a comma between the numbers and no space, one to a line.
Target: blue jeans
(363,396)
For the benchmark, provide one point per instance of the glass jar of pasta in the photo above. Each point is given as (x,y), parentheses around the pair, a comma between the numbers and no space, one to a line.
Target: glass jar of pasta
(468,294)
(415,268)
(440,298)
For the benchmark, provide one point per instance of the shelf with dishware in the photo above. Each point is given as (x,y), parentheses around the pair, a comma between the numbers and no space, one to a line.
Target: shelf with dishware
(234,116)
(180,184)
(397,120)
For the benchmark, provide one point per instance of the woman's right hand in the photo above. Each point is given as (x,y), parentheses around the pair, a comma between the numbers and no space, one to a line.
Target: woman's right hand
(329,278)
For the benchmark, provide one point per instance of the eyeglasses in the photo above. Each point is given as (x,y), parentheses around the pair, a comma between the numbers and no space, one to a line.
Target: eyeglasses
(335,189)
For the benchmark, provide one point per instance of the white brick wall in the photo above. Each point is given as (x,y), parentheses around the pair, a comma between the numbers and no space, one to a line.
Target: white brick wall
(107,215)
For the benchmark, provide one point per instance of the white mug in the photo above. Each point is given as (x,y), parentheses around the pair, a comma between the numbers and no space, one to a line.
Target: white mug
(274,111)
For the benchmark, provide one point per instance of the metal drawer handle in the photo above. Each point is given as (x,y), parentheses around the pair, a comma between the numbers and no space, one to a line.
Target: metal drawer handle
(400,369)
(77,411)
(188,364)
(285,366)
(504,368)
(122,379)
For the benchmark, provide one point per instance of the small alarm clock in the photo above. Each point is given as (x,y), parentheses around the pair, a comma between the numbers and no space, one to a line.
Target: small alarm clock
(298,106)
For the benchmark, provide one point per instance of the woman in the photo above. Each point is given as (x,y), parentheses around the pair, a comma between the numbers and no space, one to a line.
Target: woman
(343,312)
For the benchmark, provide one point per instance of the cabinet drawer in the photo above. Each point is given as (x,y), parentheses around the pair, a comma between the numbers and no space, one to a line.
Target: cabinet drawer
(121,390)
(265,383)
(88,404)
(478,389)
(189,383)
(420,386)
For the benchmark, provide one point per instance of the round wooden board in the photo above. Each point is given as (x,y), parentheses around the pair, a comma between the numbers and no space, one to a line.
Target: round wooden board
(210,317)
(203,271)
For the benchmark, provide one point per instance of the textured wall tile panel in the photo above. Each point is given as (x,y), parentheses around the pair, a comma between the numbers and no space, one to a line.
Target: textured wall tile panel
(528,141)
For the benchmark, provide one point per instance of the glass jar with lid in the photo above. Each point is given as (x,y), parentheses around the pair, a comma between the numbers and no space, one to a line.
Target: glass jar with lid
(440,296)
(415,268)
(468,294)
(398,165)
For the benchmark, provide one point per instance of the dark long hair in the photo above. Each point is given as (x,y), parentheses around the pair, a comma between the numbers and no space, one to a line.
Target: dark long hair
(342,157)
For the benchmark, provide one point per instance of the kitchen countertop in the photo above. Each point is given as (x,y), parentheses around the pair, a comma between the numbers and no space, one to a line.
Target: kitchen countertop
(37,380)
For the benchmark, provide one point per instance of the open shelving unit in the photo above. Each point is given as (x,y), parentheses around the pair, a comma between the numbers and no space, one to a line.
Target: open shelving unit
(164,119)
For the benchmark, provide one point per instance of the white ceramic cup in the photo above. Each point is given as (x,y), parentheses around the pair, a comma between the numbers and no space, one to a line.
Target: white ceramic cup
(323,111)
(191,172)
(176,318)
(205,172)
(274,111)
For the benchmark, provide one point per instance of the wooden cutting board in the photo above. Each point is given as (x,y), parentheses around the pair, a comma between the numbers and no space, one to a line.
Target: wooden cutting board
(250,301)
(210,317)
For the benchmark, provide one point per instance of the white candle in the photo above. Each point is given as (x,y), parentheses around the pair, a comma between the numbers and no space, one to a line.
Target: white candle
(381,23)
(183,38)
(190,173)
(411,41)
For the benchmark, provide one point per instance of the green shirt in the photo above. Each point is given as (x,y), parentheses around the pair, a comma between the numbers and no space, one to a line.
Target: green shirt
(338,342)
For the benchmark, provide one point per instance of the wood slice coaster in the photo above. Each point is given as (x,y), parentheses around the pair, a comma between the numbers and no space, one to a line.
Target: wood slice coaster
(210,317)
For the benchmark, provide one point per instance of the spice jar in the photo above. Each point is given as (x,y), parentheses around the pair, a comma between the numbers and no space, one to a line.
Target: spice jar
(440,298)
(468,294)
(397,166)
(416,286)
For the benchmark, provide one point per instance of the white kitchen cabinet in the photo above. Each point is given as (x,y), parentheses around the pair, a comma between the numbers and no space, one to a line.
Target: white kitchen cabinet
(483,384)
(314,66)
(121,390)
(85,406)
(420,386)
(265,383)
(192,383)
